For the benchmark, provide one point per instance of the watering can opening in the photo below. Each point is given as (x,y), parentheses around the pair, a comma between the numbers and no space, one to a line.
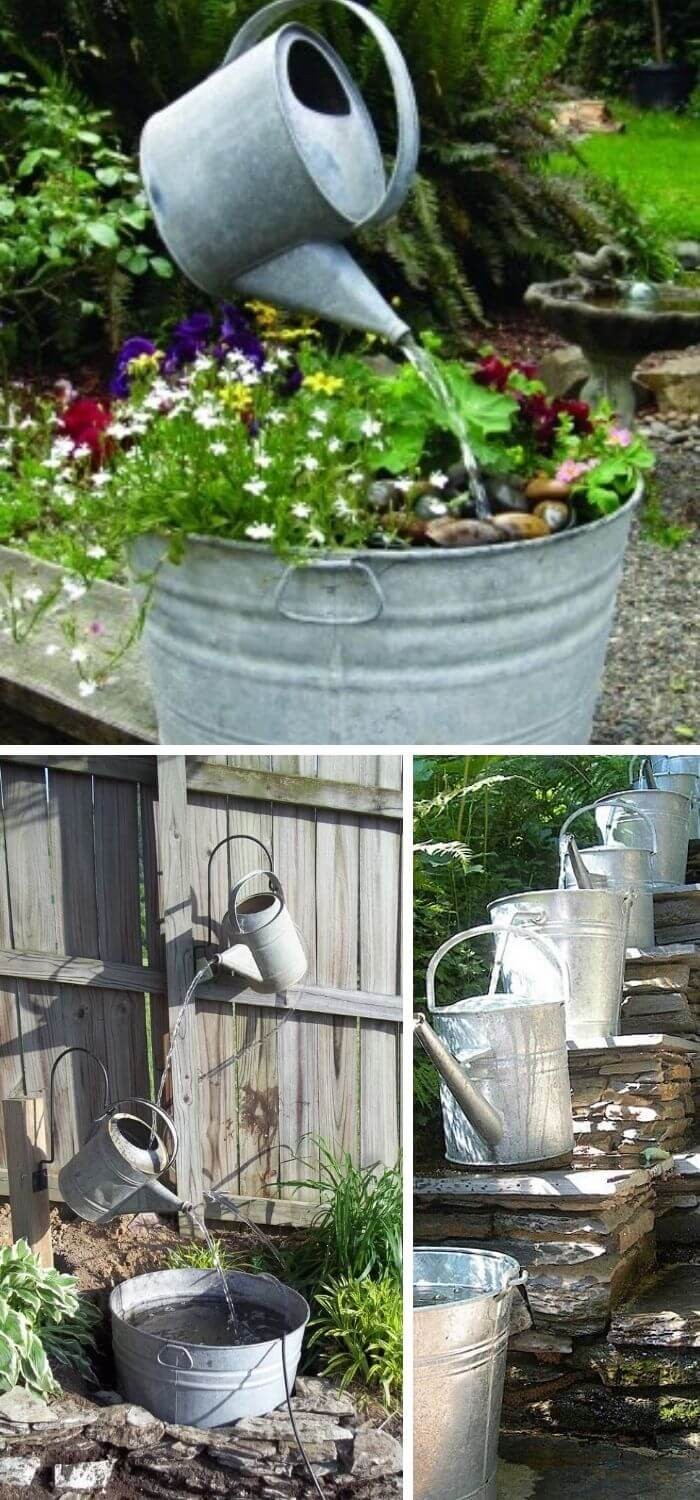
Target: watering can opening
(137,1143)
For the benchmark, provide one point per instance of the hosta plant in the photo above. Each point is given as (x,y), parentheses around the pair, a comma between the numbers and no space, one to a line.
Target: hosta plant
(42,1317)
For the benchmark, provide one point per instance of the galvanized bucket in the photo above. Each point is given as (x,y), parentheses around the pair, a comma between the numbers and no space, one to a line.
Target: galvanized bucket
(196,1384)
(589,930)
(688,765)
(513,1049)
(670,814)
(255,175)
(669,776)
(488,644)
(262,925)
(618,868)
(121,1162)
(461,1320)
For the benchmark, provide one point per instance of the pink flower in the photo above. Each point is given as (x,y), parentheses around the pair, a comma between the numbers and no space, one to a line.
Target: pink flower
(96,627)
(620,437)
(572,469)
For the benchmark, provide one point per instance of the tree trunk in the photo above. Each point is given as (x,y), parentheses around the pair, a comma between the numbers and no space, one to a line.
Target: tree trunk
(659,49)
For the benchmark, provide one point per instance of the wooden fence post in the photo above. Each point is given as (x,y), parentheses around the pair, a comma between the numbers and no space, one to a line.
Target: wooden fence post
(176,891)
(24,1119)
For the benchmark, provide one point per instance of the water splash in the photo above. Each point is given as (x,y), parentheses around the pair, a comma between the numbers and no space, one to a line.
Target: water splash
(199,1226)
(199,978)
(429,371)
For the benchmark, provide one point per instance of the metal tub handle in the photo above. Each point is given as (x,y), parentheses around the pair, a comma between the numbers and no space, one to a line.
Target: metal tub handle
(327,565)
(178,1349)
(510,1285)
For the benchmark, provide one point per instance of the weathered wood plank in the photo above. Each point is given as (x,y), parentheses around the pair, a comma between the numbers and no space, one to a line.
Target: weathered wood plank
(153,979)
(27,1146)
(303,791)
(116,766)
(119,921)
(11,1067)
(46,688)
(271,1211)
(179,968)
(294,838)
(380,948)
(316,999)
(337,963)
(257,1073)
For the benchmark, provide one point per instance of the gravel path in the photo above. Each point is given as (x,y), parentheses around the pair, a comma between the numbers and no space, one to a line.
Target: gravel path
(651,692)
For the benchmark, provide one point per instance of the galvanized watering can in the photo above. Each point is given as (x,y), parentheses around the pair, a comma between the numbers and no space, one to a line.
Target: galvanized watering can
(118,1168)
(268,950)
(671,773)
(256,175)
(589,931)
(670,814)
(505,1092)
(462,1305)
(615,867)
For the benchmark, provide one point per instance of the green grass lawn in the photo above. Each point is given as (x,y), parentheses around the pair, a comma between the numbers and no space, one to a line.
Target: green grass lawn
(656,162)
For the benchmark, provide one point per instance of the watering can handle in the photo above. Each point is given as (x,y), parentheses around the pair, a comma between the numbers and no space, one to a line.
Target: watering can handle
(268,875)
(543,943)
(155,1110)
(645,772)
(618,798)
(591,807)
(408,130)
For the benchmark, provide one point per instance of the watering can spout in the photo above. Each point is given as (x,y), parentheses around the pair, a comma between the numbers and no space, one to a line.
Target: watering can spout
(324,280)
(489,1122)
(154,1198)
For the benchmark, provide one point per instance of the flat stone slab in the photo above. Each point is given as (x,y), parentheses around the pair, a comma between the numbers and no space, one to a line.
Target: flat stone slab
(516,1190)
(562,1468)
(645,1041)
(665,1313)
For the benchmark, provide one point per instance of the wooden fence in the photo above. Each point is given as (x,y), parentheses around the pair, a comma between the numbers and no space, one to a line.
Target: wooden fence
(103,919)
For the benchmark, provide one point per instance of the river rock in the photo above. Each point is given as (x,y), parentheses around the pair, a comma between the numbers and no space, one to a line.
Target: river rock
(543,487)
(521,528)
(556,514)
(376,1452)
(85,1478)
(127,1426)
(447,532)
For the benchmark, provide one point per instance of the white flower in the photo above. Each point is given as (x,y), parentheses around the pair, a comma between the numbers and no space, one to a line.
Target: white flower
(270,366)
(369,428)
(101,479)
(218,449)
(51,651)
(26,424)
(314,433)
(309,463)
(205,416)
(301,511)
(320,414)
(120,430)
(83,451)
(40,484)
(73,590)
(342,508)
(259,531)
(78,654)
(67,497)
(5,463)
(263,460)
(404,485)
(86,687)
(438,480)
(63,447)
(315,537)
(355,478)
(96,551)
(33,594)
(255,486)
(54,462)
(334,445)
(275,417)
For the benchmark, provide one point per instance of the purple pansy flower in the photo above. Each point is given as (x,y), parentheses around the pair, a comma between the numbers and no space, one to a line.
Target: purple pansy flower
(120,384)
(236,333)
(292,381)
(188,339)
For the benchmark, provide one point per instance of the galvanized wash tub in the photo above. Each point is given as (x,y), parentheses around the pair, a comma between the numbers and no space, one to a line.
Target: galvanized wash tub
(197,1384)
(670,814)
(589,930)
(485,644)
(462,1303)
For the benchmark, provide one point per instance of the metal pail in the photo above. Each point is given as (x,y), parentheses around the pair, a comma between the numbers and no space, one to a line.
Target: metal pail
(589,930)
(196,1384)
(688,765)
(670,814)
(513,1050)
(488,644)
(462,1305)
(618,868)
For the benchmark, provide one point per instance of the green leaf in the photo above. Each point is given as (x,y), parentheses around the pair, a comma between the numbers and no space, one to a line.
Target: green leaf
(104,234)
(108,176)
(88,136)
(163,268)
(684,732)
(137,264)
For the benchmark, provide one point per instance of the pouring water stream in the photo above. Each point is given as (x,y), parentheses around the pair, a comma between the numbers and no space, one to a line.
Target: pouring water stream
(429,371)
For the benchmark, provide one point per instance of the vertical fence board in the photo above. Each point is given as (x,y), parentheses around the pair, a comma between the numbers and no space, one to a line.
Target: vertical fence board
(216,1031)
(338,913)
(257,1071)
(297,1039)
(380,969)
(119,922)
(155,944)
(11,1068)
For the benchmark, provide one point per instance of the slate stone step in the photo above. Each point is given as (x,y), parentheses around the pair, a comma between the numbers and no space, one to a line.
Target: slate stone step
(563,1468)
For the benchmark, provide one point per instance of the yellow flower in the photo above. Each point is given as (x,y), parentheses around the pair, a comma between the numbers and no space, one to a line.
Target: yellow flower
(264,313)
(237,397)
(291,335)
(146,364)
(322,384)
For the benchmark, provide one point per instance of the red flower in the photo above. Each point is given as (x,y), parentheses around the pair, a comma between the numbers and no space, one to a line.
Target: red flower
(493,372)
(530,371)
(579,411)
(86,422)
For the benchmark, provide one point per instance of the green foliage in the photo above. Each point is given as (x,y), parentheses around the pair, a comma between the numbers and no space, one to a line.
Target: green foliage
(503,815)
(42,1317)
(75,225)
(197,1255)
(358,1330)
(618,37)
